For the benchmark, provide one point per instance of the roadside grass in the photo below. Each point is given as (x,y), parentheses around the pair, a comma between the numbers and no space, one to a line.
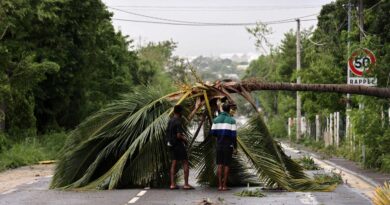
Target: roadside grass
(345,151)
(328,178)
(307,163)
(30,150)
(250,193)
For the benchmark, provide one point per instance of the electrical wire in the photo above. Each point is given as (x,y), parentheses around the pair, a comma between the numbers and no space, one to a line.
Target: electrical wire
(200,25)
(215,8)
(180,22)
(379,2)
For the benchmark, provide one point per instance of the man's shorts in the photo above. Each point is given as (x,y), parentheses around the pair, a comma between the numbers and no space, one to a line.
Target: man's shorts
(178,152)
(224,155)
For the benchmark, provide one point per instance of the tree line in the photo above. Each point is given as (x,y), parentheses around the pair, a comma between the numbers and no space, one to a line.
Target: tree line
(62,60)
(324,60)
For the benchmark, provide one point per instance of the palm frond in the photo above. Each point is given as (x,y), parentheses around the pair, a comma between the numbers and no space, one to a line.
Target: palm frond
(123,145)
(382,194)
(135,143)
(273,166)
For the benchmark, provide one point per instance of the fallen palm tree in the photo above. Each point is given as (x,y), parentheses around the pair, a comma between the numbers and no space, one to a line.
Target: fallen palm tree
(123,145)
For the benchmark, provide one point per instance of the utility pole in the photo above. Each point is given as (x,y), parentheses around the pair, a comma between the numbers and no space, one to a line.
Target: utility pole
(347,121)
(361,20)
(361,27)
(298,78)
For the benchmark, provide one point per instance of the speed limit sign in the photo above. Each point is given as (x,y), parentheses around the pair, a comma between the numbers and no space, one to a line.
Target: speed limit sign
(361,61)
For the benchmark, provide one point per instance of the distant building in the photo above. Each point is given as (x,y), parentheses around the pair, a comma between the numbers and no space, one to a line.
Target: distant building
(242,67)
(232,76)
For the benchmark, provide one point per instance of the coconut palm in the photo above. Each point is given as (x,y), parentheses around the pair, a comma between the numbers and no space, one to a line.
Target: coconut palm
(123,145)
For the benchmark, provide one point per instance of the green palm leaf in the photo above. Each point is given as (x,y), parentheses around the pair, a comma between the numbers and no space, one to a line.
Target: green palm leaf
(127,135)
(123,145)
(272,165)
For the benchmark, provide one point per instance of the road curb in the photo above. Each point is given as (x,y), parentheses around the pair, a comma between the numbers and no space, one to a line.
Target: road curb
(362,177)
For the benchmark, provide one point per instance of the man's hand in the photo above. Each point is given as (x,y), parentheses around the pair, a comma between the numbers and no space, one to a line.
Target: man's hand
(185,141)
(182,138)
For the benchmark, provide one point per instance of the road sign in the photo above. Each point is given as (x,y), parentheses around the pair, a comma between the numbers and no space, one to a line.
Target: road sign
(362,81)
(361,61)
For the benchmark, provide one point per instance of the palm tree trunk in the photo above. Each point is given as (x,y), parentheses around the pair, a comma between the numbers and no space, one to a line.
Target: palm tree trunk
(255,85)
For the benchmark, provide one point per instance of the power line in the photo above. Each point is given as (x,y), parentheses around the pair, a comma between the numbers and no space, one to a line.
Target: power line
(215,8)
(379,2)
(180,22)
(200,25)
(212,7)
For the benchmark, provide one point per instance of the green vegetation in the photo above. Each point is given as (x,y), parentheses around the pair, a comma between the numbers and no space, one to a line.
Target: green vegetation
(31,150)
(60,61)
(250,193)
(123,145)
(328,179)
(324,60)
(307,163)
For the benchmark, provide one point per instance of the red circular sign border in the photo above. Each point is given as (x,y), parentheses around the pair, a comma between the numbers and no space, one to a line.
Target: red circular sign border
(352,67)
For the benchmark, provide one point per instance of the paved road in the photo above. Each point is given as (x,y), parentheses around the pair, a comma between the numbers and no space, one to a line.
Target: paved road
(37,193)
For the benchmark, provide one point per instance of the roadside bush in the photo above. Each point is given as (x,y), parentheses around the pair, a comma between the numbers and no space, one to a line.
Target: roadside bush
(277,127)
(4,142)
(52,144)
(31,150)
(308,163)
(386,163)
(328,179)
(24,153)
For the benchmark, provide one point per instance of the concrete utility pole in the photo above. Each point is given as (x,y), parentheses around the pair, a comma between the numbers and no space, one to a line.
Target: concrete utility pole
(347,122)
(361,21)
(298,78)
(361,32)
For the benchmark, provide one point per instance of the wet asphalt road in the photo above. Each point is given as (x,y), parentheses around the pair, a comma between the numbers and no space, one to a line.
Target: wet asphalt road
(37,193)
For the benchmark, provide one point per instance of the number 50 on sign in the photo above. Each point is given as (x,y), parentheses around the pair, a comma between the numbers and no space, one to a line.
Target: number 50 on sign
(360,63)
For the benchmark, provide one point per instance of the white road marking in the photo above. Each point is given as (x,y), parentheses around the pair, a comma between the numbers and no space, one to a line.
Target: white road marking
(141,193)
(309,199)
(49,176)
(133,200)
(31,182)
(9,191)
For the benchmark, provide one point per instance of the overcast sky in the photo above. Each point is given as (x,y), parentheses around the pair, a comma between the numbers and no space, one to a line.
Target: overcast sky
(210,40)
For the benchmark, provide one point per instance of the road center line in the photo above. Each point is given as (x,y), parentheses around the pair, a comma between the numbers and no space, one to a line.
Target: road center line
(308,198)
(133,200)
(141,193)
(9,191)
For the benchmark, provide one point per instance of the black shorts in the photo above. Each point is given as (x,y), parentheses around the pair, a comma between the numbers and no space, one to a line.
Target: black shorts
(178,152)
(224,155)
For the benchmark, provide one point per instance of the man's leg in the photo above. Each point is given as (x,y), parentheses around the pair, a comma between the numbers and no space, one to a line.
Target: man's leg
(172,174)
(186,173)
(225,177)
(219,175)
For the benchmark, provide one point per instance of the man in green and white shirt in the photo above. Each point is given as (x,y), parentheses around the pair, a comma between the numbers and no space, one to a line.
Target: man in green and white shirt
(224,128)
